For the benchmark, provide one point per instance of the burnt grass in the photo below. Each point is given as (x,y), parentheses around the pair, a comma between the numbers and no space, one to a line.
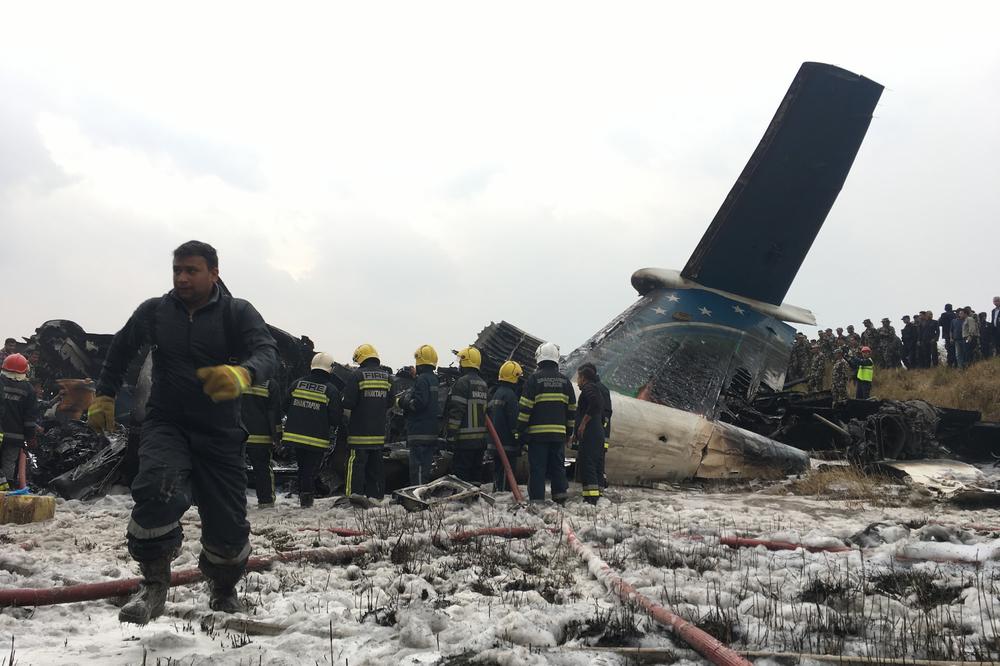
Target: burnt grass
(921,586)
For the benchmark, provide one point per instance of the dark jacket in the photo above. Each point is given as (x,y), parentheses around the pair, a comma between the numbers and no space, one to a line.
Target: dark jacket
(956,329)
(366,400)
(945,321)
(591,403)
(860,362)
(313,409)
(466,410)
(422,408)
(548,406)
(19,410)
(225,331)
(261,409)
(503,408)
(608,412)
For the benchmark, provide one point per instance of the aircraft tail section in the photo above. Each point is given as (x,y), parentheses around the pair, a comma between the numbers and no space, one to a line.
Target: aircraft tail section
(767,223)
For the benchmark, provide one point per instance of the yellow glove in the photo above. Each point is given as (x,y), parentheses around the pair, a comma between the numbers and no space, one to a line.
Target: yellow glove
(101,414)
(224,382)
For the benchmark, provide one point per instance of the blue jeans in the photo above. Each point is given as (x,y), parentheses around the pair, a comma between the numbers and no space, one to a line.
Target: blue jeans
(962,353)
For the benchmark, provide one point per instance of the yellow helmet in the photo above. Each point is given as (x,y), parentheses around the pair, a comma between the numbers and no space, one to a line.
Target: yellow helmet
(510,372)
(425,355)
(364,352)
(470,358)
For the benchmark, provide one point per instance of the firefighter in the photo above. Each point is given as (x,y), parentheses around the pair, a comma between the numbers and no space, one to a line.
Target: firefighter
(422,410)
(313,415)
(545,422)
(366,400)
(18,414)
(208,348)
(466,412)
(605,422)
(261,410)
(503,409)
(589,432)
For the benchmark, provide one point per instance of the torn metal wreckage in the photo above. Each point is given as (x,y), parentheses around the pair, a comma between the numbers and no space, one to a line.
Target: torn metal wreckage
(696,367)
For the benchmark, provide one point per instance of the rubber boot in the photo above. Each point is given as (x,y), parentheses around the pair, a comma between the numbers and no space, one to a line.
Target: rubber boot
(148,602)
(223,598)
(305,500)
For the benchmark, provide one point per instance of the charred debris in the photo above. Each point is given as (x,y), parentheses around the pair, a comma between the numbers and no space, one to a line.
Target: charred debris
(75,463)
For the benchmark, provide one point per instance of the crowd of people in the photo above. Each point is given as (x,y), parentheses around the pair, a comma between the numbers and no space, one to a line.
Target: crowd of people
(968,337)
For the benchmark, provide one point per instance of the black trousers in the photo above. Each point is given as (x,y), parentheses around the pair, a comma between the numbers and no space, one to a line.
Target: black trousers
(864,390)
(263,475)
(309,458)
(365,475)
(421,462)
(600,465)
(499,475)
(178,466)
(589,462)
(468,463)
(546,459)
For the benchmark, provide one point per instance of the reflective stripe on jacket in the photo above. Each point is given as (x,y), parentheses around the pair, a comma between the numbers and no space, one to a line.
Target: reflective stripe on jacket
(548,406)
(366,400)
(466,410)
(261,407)
(313,409)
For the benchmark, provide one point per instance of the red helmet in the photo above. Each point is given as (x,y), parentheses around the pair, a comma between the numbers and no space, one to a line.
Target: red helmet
(16,363)
(867,349)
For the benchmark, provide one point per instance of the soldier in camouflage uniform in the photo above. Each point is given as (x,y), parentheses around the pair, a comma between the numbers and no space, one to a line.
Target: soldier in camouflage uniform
(889,345)
(853,339)
(827,344)
(841,377)
(817,369)
(869,338)
(799,360)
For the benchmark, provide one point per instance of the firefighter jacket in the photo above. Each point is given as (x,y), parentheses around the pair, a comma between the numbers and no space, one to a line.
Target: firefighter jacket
(503,409)
(366,400)
(466,411)
(422,407)
(606,419)
(261,408)
(18,412)
(225,330)
(313,411)
(548,406)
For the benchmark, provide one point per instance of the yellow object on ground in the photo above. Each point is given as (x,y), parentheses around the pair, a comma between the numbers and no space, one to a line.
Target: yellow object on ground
(22,509)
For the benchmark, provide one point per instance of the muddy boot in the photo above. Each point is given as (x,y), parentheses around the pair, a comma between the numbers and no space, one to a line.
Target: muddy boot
(223,598)
(305,500)
(148,602)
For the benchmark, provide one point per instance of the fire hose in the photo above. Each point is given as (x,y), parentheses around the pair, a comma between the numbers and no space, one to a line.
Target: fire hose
(707,646)
(127,586)
(502,455)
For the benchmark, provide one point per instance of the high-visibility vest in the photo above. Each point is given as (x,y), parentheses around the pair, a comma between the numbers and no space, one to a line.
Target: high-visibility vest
(866,372)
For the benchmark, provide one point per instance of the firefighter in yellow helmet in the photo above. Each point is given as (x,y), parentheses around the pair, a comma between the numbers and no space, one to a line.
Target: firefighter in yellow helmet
(466,414)
(422,410)
(366,400)
(503,408)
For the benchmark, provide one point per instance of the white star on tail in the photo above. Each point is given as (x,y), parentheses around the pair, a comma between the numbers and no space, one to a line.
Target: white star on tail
(738,310)
(705,311)
(659,311)
(673,298)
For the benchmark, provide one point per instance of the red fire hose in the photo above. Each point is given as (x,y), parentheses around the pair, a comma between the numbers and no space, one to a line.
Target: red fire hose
(705,645)
(127,586)
(506,532)
(743,542)
(508,472)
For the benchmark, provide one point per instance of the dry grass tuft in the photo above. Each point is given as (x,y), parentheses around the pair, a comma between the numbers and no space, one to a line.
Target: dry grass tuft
(848,483)
(977,388)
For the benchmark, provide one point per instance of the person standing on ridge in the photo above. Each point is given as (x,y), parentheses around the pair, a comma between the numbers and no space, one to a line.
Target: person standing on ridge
(465,410)
(422,410)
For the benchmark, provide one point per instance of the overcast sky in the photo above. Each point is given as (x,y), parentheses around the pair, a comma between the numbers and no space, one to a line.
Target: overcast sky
(406,173)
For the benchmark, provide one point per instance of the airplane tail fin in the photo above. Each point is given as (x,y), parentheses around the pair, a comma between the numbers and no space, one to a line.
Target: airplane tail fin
(767,223)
